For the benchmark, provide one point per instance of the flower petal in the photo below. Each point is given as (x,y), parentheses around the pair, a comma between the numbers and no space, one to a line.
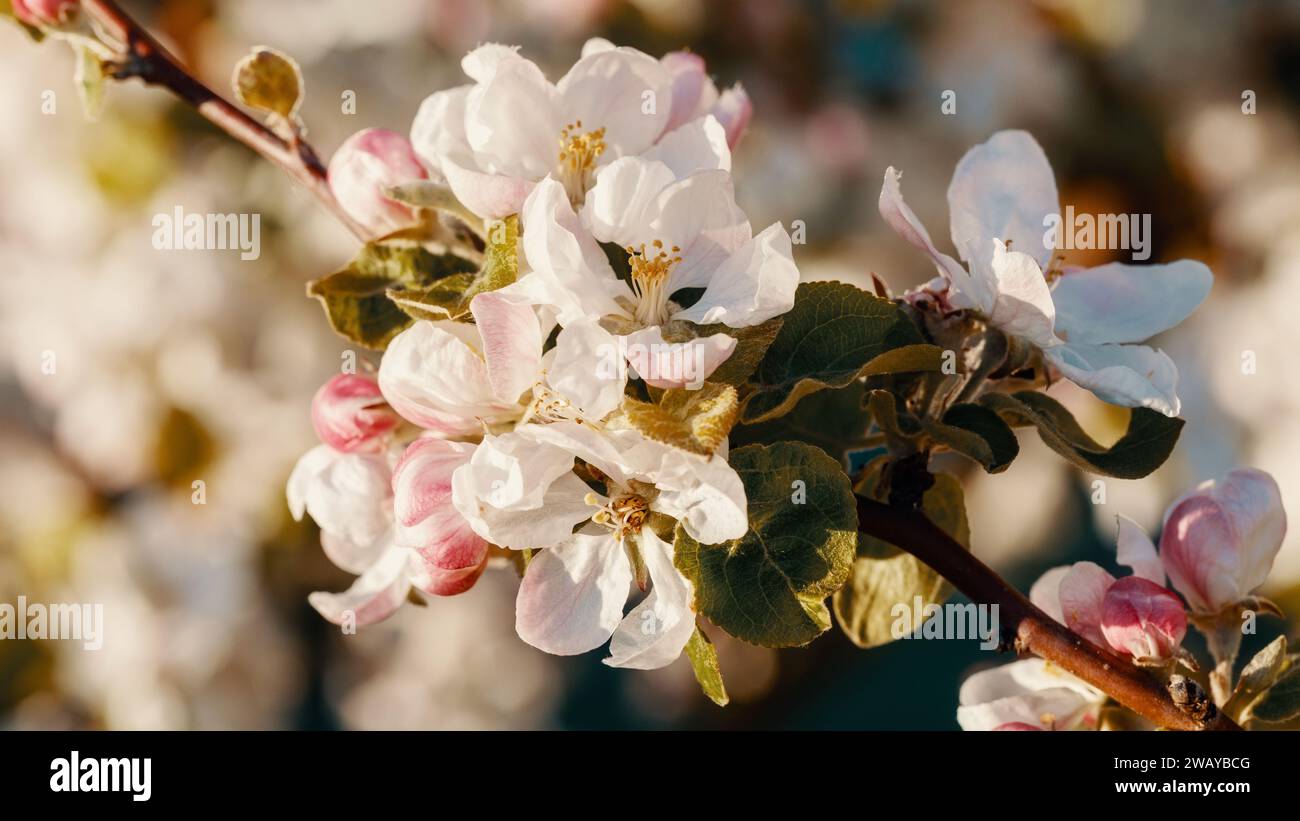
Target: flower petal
(664,364)
(754,284)
(587,369)
(512,343)
(373,597)
(571,267)
(1003,188)
(1135,550)
(699,145)
(1128,303)
(347,494)
(1142,619)
(969,292)
(1133,376)
(705,494)
(1046,592)
(612,89)
(1023,306)
(1083,590)
(654,633)
(572,596)
(512,119)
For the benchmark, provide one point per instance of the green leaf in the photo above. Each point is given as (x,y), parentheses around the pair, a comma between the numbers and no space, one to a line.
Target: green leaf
(1146,444)
(500,260)
(751,344)
(1258,675)
(269,80)
(704,661)
(884,577)
(832,419)
(693,420)
(834,334)
(357,301)
(358,308)
(885,412)
(1281,702)
(445,299)
(977,432)
(770,586)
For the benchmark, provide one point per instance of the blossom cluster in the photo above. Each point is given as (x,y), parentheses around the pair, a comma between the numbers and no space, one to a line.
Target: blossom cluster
(501,436)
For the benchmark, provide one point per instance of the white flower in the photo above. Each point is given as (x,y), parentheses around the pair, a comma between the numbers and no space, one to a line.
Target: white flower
(1027,695)
(494,139)
(1003,194)
(519,491)
(672,214)
(453,378)
(350,496)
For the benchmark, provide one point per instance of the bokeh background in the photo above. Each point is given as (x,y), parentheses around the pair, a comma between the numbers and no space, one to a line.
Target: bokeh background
(176,366)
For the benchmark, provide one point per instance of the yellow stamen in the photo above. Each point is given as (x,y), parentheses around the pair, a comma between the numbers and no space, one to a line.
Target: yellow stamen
(650,280)
(578,154)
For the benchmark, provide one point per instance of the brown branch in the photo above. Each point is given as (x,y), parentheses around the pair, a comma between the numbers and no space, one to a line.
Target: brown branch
(1033,630)
(141,56)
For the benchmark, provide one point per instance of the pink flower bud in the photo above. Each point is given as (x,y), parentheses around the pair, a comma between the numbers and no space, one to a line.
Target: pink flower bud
(1142,619)
(367,163)
(451,555)
(45,12)
(1219,541)
(689,83)
(350,414)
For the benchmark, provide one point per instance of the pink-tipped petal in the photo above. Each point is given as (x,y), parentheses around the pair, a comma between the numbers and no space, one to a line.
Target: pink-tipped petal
(1083,590)
(734,110)
(1142,619)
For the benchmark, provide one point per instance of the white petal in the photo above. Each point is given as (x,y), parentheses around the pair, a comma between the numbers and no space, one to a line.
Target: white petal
(512,343)
(699,145)
(751,286)
(1128,303)
(689,76)
(969,292)
(563,507)
(1046,592)
(433,375)
(1023,306)
(513,471)
(587,369)
(1134,550)
(654,633)
(699,216)
(1003,188)
(512,120)
(438,130)
(491,196)
(705,494)
(1132,376)
(676,364)
(347,494)
(572,596)
(612,89)
(566,259)
(373,597)
(619,454)
(615,209)
(1065,707)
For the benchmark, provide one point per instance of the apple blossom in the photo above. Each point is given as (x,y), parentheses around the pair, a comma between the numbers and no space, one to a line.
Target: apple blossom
(1027,695)
(453,378)
(1134,615)
(1219,541)
(695,95)
(45,12)
(673,212)
(368,163)
(1087,321)
(349,414)
(519,491)
(495,139)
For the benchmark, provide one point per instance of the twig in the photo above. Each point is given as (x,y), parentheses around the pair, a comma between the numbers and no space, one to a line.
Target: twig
(1033,630)
(142,57)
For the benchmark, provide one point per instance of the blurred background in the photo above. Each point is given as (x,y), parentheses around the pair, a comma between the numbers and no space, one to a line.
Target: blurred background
(174,366)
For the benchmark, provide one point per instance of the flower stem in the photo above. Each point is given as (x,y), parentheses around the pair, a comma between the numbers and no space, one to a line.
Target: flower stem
(1030,628)
(139,55)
